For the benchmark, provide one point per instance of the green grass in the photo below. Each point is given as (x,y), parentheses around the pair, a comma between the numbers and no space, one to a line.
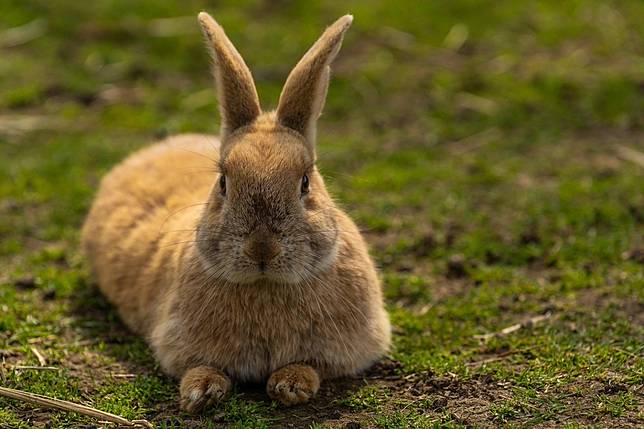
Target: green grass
(476,143)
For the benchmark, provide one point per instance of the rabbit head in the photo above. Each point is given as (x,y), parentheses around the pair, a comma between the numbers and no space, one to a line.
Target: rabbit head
(269,217)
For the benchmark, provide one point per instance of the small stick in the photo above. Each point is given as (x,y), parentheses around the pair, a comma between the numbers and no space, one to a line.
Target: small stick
(41,358)
(119,375)
(34,368)
(41,340)
(25,33)
(632,155)
(510,329)
(2,376)
(59,404)
(500,356)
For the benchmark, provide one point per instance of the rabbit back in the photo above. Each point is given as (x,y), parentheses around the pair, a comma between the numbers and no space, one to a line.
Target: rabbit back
(144,214)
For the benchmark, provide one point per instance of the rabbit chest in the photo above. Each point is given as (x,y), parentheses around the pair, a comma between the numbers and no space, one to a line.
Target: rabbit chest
(251,330)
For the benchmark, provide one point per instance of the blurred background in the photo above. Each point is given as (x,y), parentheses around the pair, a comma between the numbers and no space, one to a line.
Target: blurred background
(492,152)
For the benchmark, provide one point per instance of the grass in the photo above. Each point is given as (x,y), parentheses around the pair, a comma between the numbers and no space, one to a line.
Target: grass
(474,142)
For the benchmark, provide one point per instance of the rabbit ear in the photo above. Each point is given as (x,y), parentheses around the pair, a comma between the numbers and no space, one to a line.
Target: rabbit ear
(238,100)
(304,92)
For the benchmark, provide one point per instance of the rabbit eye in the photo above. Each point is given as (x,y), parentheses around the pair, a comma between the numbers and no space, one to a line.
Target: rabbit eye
(222,185)
(305,184)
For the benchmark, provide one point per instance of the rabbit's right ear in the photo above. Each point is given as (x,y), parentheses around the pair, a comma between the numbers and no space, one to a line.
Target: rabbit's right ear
(304,92)
(238,100)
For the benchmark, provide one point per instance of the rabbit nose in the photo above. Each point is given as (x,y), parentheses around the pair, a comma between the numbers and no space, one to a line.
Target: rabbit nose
(261,247)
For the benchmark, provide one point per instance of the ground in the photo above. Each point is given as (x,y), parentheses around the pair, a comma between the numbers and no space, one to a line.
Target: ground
(490,151)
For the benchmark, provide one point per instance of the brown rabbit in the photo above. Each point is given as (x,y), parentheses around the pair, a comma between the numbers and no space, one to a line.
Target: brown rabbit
(246,270)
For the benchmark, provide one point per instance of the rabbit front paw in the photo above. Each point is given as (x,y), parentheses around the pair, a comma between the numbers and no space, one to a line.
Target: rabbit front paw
(293,384)
(203,386)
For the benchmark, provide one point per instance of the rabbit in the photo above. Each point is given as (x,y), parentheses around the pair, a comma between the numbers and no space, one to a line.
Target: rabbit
(247,270)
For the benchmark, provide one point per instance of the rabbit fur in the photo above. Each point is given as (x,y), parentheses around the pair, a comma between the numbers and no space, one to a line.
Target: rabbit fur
(229,256)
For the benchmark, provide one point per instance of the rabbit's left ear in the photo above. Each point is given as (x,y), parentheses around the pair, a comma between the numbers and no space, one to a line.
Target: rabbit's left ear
(304,92)
(238,101)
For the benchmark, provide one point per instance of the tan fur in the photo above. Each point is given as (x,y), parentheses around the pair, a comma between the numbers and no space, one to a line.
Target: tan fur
(250,281)
(304,92)
(238,100)
(294,384)
(202,386)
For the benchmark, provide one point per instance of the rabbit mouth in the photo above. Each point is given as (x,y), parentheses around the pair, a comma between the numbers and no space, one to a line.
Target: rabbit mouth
(285,269)
(264,276)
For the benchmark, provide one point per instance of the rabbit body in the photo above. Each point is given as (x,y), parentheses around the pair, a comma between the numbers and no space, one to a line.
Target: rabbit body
(140,240)
(228,255)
